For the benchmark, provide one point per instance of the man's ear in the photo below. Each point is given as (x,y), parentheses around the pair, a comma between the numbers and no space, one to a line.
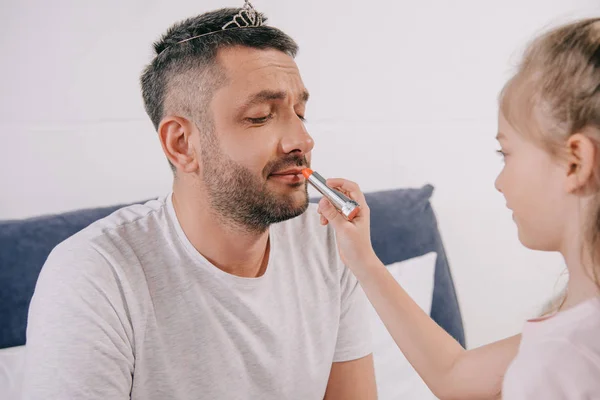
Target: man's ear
(175,134)
(581,160)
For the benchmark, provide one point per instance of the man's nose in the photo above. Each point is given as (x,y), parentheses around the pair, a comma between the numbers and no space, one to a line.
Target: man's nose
(296,138)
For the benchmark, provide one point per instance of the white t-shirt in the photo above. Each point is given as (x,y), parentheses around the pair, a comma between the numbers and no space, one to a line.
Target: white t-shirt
(559,357)
(128,308)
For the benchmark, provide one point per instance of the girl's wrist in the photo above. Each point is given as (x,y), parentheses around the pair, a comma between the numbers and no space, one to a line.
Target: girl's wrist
(365,265)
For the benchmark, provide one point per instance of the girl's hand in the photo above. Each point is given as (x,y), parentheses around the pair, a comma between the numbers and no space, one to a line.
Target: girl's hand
(353,237)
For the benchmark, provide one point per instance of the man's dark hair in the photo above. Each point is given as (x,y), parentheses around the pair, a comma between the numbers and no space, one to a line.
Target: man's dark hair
(182,77)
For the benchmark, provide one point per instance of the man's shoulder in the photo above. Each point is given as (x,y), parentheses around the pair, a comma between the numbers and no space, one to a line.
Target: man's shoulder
(119,223)
(126,227)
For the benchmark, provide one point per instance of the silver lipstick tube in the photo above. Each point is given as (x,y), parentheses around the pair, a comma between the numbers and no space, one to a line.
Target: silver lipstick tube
(346,206)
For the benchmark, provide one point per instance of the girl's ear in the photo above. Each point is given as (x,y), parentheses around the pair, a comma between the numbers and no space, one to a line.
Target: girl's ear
(581,159)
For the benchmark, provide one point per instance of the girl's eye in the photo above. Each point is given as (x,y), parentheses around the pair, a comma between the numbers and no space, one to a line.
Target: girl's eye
(301,117)
(501,154)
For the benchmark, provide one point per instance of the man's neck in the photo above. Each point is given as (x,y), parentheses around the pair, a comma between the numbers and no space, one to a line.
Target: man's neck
(230,248)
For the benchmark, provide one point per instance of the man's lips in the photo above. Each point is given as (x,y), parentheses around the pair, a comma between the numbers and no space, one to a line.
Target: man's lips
(289,171)
(293,175)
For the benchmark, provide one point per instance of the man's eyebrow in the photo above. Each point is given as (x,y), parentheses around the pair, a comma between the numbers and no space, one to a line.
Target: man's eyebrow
(266,95)
(270,95)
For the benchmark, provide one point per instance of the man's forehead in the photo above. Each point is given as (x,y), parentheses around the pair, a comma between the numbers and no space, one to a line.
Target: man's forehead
(242,63)
(261,74)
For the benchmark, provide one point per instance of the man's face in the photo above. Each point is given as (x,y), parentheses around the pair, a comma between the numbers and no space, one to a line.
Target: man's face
(252,160)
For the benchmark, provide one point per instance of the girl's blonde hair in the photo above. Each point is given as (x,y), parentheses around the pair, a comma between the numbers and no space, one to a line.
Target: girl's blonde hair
(554,94)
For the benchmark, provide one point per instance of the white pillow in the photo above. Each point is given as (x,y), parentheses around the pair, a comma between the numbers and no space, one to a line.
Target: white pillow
(12,363)
(396,378)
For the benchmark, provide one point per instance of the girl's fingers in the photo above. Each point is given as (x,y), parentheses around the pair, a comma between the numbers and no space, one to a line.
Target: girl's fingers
(349,188)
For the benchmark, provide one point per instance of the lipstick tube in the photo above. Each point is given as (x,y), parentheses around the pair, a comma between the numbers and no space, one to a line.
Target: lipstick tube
(346,206)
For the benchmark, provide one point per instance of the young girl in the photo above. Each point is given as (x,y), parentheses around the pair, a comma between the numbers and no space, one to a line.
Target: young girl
(549,134)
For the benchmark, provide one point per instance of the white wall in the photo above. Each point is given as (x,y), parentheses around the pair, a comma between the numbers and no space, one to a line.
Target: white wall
(403,94)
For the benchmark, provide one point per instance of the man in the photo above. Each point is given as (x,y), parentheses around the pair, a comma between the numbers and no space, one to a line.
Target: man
(227,288)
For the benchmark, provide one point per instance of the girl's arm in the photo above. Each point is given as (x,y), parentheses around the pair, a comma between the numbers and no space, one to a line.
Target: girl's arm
(450,371)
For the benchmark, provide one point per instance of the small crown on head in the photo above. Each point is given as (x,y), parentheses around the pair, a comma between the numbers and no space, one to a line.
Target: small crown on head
(248,17)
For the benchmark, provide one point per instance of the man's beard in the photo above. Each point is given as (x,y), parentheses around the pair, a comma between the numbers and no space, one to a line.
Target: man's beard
(240,197)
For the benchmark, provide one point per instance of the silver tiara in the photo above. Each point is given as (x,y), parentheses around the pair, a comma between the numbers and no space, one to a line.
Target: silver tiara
(248,17)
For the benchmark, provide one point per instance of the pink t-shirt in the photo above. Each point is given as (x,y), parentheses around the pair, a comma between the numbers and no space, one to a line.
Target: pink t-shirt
(559,357)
